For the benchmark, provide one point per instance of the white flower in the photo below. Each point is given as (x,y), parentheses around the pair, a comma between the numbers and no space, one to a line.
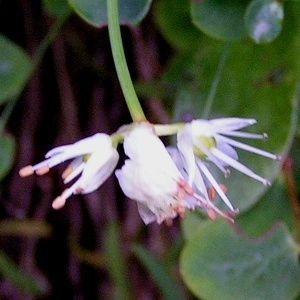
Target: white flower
(151,178)
(94,158)
(203,140)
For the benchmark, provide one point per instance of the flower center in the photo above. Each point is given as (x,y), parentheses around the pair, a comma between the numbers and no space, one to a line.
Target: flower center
(207,142)
(85,157)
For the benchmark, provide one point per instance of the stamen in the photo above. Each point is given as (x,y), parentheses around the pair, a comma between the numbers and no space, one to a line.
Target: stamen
(59,202)
(67,172)
(79,190)
(180,210)
(238,166)
(211,214)
(211,192)
(227,173)
(247,147)
(210,205)
(223,187)
(43,170)
(186,188)
(169,222)
(26,171)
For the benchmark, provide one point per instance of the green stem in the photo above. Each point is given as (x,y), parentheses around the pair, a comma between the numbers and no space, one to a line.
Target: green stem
(216,81)
(129,93)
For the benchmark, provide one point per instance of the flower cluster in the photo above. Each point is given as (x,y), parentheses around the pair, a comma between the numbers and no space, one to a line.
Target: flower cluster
(164,184)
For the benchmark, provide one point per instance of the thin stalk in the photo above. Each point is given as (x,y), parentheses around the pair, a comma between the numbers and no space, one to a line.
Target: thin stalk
(129,93)
(216,81)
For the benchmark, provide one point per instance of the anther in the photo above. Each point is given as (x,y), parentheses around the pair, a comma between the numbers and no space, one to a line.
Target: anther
(227,173)
(67,172)
(223,188)
(211,214)
(211,192)
(26,171)
(59,202)
(42,170)
(79,190)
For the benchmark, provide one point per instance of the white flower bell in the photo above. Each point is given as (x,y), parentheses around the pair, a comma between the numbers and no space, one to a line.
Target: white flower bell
(151,178)
(94,158)
(203,140)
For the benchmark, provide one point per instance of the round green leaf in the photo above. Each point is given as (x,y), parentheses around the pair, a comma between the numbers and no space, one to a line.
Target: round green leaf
(220,19)
(7,154)
(15,66)
(274,207)
(258,81)
(263,20)
(192,223)
(94,12)
(218,264)
(174,21)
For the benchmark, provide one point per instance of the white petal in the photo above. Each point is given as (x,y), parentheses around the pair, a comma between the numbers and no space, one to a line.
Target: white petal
(185,146)
(215,185)
(211,157)
(179,162)
(146,214)
(247,147)
(247,135)
(84,146)
(225,148)
(200,184)
(77,165)
(238,166)
(201,127)
(149,186)
(126,177)
(98,168)
(230,124)
(143,146)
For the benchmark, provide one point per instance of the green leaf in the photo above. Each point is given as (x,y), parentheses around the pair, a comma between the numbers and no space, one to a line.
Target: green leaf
(263,20)
(220,19)
(274,207)
(174,22)
(115,262)
(258,81)
(7,154)
(94,11)
(192,223)
(57,7)
(15,67)
(219,264)
(166,285)
(9,270)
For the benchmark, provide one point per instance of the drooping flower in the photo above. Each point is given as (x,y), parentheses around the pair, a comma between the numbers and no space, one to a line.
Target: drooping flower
(151,178)
(207,140)
(94,158)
